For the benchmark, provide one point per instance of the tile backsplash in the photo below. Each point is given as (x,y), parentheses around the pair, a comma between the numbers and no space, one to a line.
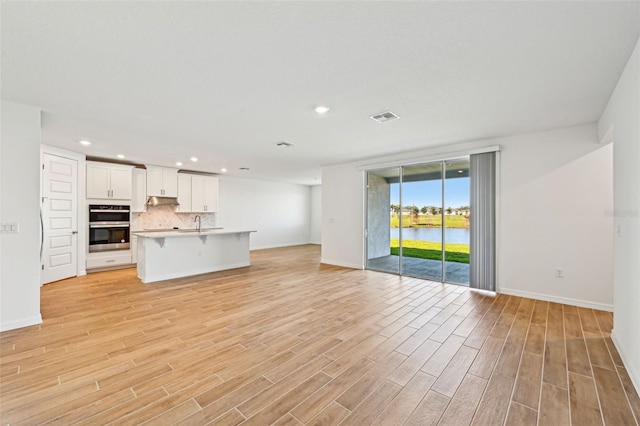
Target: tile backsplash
(164,217)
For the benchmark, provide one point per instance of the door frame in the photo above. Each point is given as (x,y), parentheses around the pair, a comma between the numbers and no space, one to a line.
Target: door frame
(420,157)
(81,245)
(401,168)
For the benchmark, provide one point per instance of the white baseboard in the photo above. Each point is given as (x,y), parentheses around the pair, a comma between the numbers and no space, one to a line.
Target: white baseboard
(557,299)
(24,322)
(183,274)
(343,264)
(634,374)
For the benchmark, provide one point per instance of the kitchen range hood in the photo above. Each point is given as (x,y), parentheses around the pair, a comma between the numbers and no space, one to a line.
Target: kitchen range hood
(162,201)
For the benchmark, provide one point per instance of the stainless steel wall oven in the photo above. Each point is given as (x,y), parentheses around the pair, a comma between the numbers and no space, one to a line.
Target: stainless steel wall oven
(109,228)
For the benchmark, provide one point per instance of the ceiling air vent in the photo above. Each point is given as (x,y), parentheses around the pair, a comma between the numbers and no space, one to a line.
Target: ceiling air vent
(284,144)
(384,117)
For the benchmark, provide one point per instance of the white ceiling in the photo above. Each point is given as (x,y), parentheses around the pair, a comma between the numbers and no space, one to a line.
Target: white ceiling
(162,81)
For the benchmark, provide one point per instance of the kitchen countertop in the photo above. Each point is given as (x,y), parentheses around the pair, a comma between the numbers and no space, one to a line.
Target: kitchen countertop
(170,229)
(188,232)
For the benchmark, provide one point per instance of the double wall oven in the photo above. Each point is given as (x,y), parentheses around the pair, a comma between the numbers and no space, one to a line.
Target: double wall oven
(108,228)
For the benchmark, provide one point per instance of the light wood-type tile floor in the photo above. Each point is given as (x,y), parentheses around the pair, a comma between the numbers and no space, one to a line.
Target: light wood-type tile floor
(289,341)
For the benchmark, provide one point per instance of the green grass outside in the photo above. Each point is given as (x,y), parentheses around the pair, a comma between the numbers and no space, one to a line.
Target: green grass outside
(431,254)
(431,250)
(427,221)
(431,245)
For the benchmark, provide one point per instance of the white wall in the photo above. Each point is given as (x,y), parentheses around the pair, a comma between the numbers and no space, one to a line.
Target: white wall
(555,188)
(315,225)
(343,216)
(280,212)
(20,189)
(622,118)
(555,191)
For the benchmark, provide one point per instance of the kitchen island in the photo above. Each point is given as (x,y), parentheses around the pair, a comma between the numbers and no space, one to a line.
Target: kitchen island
(174,254)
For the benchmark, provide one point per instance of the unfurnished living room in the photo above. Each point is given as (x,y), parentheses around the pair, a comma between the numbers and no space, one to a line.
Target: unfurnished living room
(320,212)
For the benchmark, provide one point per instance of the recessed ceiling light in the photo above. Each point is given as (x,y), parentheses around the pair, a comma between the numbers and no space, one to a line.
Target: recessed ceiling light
(244,168)
(284,144)
(223,170)
(85,143)
(178,163)
(194,159)
(120,156)
(322,109)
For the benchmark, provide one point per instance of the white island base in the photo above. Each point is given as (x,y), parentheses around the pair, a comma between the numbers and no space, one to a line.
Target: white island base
(174,254)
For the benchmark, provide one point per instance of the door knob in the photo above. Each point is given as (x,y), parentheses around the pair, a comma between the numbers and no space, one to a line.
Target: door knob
(74,232)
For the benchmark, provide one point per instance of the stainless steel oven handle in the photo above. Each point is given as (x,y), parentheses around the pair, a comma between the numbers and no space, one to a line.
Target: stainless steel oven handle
(107,211)
(109,226)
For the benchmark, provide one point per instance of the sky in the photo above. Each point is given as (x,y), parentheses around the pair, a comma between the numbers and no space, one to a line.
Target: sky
(429,193)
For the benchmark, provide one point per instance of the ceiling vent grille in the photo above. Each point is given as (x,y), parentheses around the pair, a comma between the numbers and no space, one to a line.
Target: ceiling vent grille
(284,144)
(383,117)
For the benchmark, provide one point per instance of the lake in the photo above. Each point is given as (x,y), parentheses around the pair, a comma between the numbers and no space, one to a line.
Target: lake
(451,235)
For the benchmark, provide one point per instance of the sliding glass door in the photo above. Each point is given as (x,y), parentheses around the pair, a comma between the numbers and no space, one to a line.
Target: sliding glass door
(418,220)
(422,189)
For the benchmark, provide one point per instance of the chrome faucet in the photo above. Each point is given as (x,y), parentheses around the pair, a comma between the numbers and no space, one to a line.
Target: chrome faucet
(197,219)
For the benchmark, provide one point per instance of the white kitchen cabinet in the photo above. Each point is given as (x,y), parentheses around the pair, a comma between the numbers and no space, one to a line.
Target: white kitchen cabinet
(197,193)
(204,194)
(211,194)
(108,259)
(109,181)
(162,181)
(139,191)
(184,193)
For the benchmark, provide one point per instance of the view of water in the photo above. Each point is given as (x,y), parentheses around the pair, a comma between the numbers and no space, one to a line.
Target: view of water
(451,235)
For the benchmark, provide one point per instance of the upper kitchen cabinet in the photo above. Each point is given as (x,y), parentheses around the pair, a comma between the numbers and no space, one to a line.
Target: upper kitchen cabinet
(204,194)
(109,181)
(184,193)
(197,193)
(139,196)
(162,181)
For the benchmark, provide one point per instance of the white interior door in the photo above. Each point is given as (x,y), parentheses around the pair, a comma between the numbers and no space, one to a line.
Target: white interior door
(59,218)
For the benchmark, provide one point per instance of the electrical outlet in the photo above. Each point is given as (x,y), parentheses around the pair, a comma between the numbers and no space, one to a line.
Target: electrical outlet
(559,272)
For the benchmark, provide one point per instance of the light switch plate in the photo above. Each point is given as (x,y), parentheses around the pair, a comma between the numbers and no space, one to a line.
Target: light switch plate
(9,228)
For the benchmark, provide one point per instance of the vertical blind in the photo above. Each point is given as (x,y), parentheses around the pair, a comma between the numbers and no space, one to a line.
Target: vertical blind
(482,267)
